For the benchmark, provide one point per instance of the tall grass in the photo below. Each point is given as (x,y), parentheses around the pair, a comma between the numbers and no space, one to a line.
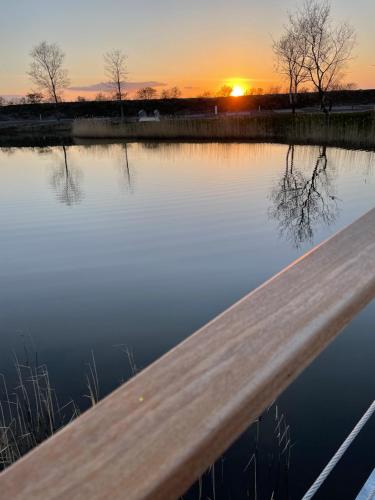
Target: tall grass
(31,412)
(355,129)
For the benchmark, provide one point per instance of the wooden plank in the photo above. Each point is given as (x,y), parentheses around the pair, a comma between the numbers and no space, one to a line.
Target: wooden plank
(155,435)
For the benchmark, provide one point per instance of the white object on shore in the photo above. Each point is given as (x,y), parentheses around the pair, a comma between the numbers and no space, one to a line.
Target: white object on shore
(142,116)
(149,119)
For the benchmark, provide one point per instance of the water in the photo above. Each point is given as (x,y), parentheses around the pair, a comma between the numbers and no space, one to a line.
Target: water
(106,246)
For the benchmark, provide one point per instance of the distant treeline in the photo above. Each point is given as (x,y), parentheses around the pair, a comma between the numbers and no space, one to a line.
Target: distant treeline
(192,106)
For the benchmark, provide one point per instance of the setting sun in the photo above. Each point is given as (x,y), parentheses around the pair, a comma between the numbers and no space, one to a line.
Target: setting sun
(237,91)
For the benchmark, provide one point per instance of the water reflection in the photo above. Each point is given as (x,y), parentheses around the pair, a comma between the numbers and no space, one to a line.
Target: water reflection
(147,270)
(7,150)
(66,181)
(302,201)
(125,168)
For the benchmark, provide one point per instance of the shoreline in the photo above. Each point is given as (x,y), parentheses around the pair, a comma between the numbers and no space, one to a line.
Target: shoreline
(354,130)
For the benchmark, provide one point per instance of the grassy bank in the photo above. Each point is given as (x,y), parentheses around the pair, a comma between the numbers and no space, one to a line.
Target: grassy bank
(346,129)
(34,131)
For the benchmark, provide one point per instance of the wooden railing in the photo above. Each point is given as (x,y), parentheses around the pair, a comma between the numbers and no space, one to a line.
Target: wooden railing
(156,434)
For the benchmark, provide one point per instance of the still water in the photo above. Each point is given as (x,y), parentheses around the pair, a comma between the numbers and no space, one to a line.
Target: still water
(111,246)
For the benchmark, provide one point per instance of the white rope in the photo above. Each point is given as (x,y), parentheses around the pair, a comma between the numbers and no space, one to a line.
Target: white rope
(345,445)
(372,494)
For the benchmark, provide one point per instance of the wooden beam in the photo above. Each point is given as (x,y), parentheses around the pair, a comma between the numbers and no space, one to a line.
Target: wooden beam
(155,435)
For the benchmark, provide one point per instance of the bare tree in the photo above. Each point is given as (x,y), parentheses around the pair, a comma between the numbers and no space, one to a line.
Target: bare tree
(172,93)
(225,91)
(205,94)
(47,71)
(147,93)
(34,98)
(164,94)
(254,91)
(291,52)
(2,101)
(329,45)
(100,97)
(175,93)
(274,89)
(115,68)
(345,86)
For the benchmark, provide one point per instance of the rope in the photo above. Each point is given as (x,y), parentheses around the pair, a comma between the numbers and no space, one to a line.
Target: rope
(339,453)
(372,494)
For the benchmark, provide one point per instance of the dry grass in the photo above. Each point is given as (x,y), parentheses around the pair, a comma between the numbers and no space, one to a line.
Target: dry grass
(356,129)
(31,411)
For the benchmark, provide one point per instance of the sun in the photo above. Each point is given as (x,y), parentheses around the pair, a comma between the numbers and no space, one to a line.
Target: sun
(237,91)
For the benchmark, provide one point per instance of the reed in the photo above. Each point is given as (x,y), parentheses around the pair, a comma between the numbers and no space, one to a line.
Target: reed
(355,129)
(31,411)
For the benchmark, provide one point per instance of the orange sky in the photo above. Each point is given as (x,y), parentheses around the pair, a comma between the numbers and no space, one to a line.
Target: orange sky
(198,46)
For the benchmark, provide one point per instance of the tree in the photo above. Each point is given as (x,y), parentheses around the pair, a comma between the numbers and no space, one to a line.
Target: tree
(147,93)
(47,71)
(274,89)
(116,71)
(2,101)
(329,45)
(34,98)
(291,52)
(254,91)
(100,97)
(81,99)
(172,93)
(225,91)
(205,94)
(175,93)
(345,86)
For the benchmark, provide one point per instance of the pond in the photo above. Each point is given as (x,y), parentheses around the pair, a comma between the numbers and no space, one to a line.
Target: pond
(109,247)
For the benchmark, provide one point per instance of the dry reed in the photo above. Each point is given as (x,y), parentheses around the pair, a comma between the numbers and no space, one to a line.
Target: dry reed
(355,129)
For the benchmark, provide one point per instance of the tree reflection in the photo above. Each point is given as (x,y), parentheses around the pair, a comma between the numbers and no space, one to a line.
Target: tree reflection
(66,182)
(301,202)
(125,168)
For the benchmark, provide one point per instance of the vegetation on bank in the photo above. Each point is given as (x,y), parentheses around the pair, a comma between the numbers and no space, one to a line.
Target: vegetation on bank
(174,106)
(354,129)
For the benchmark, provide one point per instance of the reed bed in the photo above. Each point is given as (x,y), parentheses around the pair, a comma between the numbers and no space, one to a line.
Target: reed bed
(31,412)
(355,129)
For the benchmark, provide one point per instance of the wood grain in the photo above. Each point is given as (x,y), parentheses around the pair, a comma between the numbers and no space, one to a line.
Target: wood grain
(153,437)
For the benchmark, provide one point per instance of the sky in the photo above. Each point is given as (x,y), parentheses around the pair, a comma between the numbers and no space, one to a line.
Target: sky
(198,45)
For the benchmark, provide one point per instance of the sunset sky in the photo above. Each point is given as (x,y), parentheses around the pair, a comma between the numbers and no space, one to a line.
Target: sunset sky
(197,45)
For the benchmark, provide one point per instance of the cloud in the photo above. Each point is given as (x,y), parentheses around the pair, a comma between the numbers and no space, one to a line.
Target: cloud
(105,86)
